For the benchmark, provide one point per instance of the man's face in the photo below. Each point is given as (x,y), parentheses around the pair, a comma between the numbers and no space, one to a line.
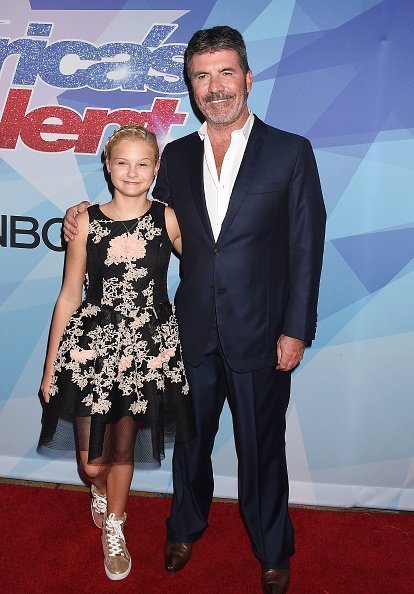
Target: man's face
(220,87)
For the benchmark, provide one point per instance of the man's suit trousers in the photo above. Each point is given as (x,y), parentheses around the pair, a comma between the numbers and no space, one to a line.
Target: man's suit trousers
(258,402)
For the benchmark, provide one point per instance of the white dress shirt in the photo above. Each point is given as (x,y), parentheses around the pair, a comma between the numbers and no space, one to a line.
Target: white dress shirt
(218,190)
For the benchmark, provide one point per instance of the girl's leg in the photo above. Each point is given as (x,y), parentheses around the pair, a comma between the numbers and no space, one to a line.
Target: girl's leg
(97,476)
(112,480)
(94,473)
(122,436)
(118,483)
(117,560)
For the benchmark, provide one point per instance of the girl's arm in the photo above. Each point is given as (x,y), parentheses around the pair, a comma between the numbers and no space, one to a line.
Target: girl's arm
(69,298)
(173,229)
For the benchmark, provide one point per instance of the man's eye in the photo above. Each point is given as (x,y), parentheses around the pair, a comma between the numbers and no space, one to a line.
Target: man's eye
(143,164)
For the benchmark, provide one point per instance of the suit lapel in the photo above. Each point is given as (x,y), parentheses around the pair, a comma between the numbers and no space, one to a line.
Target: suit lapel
(246,174)
(196,160)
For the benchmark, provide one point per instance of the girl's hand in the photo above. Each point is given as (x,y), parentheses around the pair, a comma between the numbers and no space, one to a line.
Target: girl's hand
(45,386)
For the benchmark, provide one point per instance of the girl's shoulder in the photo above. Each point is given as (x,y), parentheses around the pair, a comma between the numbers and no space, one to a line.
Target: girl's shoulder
(83,218)
(170,217)
(157,211)
(157,204)
(92,212)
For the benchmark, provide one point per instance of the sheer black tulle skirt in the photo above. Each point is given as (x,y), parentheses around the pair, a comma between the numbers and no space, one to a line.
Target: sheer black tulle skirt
(119,388)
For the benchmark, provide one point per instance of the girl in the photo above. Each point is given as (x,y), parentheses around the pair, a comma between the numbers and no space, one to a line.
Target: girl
(113,366)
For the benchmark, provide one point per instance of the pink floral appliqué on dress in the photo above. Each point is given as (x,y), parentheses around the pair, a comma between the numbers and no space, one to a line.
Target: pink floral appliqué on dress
(82,356)
(125,248)
(125,362)
(163,357)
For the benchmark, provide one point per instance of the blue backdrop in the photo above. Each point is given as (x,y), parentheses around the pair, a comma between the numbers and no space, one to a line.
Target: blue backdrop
(337,72)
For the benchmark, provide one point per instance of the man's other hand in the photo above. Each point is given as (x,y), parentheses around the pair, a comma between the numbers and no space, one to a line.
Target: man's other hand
(289,352)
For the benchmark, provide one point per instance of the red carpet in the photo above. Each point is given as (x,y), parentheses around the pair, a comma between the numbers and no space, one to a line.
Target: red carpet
(49,544)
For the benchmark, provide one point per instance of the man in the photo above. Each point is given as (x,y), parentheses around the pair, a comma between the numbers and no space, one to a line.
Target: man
(248,201)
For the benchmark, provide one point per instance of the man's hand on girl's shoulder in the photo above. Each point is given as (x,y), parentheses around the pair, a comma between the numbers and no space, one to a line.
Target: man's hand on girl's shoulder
(70,226)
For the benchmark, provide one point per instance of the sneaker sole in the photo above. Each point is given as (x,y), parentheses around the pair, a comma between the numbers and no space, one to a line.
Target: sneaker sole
(117,576)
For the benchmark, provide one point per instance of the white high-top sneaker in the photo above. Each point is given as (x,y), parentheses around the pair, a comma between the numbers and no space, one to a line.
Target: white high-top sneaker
(117,559)
(98,507)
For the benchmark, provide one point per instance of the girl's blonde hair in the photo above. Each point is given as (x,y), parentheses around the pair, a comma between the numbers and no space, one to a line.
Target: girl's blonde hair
(131,132)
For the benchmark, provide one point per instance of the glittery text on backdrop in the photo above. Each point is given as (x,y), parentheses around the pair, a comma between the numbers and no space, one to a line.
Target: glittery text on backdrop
(153,65)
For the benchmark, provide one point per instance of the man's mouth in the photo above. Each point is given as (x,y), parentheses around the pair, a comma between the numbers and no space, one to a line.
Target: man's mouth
(215,99)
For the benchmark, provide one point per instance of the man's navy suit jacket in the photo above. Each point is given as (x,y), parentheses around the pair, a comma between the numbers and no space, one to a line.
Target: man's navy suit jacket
(261,277)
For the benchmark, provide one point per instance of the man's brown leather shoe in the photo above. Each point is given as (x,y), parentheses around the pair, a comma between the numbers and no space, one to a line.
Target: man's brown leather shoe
(275,581)
(176,555)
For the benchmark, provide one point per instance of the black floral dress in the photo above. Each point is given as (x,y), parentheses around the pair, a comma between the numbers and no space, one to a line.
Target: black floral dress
(119,388)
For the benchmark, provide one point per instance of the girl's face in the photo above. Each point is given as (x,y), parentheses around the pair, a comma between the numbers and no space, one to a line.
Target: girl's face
(132,167)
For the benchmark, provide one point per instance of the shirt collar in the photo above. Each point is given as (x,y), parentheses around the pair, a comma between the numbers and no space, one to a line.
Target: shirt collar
(202,131)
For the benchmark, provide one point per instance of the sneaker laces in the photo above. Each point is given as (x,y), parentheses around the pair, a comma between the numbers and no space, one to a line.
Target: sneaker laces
(99,502)
(114,535)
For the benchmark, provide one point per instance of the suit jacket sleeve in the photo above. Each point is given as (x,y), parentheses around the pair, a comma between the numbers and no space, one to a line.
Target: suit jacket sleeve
(307,219)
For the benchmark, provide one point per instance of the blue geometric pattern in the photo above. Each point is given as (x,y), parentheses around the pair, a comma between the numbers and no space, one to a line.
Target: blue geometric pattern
(339,73)
(377,258)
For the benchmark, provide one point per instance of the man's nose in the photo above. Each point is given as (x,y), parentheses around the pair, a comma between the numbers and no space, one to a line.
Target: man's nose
(215,84)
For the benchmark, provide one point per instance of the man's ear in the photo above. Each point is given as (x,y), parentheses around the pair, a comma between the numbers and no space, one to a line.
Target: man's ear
(249,80)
